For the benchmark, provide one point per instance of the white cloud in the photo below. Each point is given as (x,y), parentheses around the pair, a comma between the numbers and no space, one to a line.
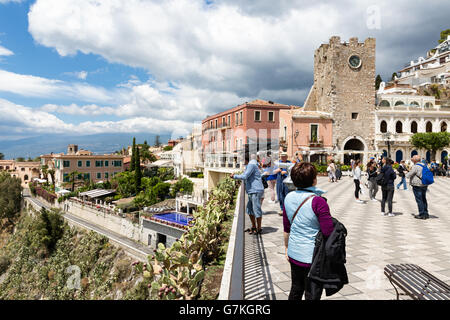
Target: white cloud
(235,46)
(33,86)
(18,119)
(5,52)
(157,100)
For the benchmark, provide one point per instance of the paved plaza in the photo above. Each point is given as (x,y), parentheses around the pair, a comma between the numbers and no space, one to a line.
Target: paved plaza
(373,241)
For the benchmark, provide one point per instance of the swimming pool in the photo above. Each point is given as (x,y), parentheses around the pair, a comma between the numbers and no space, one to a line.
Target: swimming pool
(175,217)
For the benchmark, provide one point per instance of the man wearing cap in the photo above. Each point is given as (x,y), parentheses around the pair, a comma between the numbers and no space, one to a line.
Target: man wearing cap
(282,189)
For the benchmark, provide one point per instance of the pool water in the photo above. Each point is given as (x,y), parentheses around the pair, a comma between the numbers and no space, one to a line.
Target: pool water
(179,218)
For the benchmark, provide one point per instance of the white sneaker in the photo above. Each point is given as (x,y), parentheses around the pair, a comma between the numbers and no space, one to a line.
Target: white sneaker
(359,201)
(391,215)
(271,201)
(383,213)
(374,200)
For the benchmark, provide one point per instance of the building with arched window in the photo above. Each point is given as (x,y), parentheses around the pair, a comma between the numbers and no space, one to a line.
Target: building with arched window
(404,113)
(25,171)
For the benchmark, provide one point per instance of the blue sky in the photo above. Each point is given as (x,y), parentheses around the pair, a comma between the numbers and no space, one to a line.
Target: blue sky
(87,67)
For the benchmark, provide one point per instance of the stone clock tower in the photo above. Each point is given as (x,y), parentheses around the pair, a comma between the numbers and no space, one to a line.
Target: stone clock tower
(344,86)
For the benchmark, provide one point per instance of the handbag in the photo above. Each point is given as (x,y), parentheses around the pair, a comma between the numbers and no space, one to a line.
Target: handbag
(264,182)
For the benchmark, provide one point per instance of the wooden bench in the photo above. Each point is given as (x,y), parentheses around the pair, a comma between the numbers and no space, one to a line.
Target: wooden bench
(416,282)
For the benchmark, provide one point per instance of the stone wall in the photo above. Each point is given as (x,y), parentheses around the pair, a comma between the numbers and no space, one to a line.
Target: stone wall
(342,90)
(114,223)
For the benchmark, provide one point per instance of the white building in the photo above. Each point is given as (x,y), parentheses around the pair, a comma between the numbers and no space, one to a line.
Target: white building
(433,69)
(186,155)
(400,112)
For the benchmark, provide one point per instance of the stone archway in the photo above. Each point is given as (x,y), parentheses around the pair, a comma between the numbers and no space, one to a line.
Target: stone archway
(353,144)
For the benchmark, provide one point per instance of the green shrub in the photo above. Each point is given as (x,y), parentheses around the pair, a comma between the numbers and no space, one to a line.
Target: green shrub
(49,229)
(183,185)
(4,264)
(178,272)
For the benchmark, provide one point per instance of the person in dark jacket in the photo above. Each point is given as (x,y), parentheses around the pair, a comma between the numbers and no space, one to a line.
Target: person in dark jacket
(372,173)
(401,173)
(305,214)
(388,186)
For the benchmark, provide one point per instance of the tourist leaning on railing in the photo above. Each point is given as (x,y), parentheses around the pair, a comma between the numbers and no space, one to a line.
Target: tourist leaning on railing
(255,190)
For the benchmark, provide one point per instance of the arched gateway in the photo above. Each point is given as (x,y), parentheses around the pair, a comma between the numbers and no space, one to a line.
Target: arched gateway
(351,148)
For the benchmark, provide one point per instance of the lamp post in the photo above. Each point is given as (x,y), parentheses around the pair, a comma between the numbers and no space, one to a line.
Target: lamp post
(388,137)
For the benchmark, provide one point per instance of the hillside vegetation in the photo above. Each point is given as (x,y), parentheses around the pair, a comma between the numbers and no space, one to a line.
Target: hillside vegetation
(47,259)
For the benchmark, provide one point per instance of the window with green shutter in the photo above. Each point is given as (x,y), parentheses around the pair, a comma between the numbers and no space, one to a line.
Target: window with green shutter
(80,163)
(87,176)
(66,177)
(106,175)
(99,175)
(66,163)
(99,163)
(88,163)
(106,163)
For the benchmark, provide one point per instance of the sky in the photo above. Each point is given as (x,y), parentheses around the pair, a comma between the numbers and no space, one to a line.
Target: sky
(160,66)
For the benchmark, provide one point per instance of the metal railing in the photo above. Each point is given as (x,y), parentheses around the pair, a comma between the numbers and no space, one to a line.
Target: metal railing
(232,286)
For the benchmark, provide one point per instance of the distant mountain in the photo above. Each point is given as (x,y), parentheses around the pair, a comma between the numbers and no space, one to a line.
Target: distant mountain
(97,143)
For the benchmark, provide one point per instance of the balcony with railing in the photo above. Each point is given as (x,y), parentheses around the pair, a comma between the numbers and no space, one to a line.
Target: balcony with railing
(225,160)
(315,142)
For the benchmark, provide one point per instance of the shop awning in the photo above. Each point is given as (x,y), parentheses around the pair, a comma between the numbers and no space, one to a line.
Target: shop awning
(97,193)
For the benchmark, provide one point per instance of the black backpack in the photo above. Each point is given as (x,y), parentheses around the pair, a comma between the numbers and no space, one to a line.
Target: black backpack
(380,179)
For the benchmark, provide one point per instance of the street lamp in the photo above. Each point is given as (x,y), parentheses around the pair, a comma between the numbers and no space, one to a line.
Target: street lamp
(387,137)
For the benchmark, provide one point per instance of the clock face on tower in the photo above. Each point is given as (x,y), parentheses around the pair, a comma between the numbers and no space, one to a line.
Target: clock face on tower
(354,61)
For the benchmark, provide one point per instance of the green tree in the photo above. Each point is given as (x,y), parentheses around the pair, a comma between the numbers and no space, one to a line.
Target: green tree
(20,159)
(133,155)
(50,228)
(431,141)
(167,148)
(51,172)
(126,185)
(393,76)
(10,197)
(138,172)
(444,35)
(44,169)
(183,185)
(73,177)
(162,190)
(157,141)
(378,80)
(145,198)
(2,156)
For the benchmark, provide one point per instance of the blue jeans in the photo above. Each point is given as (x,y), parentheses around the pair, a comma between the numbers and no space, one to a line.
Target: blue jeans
(420,193)
(402,182)
(254,204)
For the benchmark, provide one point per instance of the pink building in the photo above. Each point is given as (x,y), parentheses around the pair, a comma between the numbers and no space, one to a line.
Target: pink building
(307,133)
(251,122)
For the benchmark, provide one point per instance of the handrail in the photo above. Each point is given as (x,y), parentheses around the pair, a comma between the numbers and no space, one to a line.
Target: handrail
(232,285)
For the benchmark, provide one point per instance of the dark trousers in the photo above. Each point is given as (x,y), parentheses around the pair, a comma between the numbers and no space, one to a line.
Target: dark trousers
(388,195)
(300,283)
(357,188)
(420,193)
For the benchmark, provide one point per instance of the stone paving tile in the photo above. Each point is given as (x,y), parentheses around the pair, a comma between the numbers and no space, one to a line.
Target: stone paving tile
(285,286)
(372,242)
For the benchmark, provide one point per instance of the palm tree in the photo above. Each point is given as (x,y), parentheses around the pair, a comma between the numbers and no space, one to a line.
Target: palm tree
(44,170)
(73,177)
(51,172)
